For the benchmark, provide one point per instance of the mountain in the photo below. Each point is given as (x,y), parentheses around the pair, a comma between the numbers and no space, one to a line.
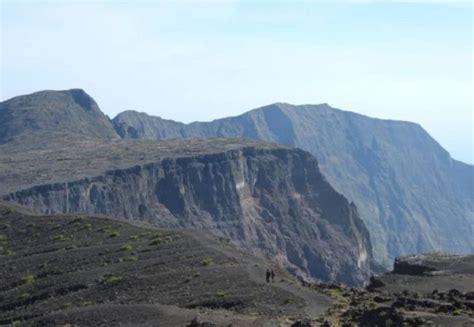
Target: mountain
(411,194)
(53,114)
(81,270)
(267,198)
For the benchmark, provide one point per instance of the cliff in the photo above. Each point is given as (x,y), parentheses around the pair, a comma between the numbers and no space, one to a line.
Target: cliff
(266,198)
(412,195)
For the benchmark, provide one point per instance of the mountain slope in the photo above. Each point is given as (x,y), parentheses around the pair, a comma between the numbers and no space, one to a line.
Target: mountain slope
(79,270)
(411,194)
(53,114)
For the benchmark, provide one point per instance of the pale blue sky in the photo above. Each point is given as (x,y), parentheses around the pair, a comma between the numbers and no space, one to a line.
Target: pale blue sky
(193,60)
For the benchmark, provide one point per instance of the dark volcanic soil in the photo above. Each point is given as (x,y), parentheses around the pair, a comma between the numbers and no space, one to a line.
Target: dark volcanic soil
(91,271)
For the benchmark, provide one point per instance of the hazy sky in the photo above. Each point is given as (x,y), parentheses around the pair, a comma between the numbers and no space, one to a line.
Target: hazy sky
(192,60)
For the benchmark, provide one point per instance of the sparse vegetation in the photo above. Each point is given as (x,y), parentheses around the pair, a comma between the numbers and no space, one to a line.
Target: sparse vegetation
(112,279)
(76,220)
(156,241)
(206,262)
(24,296)
(130,258)
(61,238)
(134,237)
(114,234)
(126,247)
(27,279)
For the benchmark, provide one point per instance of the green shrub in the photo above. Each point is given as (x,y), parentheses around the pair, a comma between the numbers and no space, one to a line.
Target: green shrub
(134,237)
(61,238)
(156,241)
(114,234)
(126,247)
(206,262)
(111,279)
(457,312)
(130,258)
(27,279)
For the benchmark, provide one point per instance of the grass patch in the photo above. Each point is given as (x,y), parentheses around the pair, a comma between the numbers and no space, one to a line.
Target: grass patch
(126,247)
(134,237)
(206,262)
(27,279)
(130,258)
(111,279)
(61,238)
(76,220)
(3,238)
(156,241)
(337,296)
(457,312)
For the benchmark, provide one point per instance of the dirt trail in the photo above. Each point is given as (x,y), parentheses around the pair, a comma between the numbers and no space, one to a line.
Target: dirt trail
(315,303)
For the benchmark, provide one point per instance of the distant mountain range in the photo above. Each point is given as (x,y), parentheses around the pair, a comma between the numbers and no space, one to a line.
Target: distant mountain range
(411,194)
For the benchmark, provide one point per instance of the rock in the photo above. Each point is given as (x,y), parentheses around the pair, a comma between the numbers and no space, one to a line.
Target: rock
(302,323)
(374,283)
(381,299)
(195,323)
(454,294)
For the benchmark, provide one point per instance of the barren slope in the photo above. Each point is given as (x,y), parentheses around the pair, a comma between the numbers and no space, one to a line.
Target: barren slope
(87,270)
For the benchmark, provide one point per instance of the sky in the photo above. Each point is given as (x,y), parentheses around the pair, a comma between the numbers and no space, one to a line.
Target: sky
(203,60)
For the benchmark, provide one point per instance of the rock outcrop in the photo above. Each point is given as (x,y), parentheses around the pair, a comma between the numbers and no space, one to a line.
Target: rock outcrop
(431,289)
(412,195)
(269,199)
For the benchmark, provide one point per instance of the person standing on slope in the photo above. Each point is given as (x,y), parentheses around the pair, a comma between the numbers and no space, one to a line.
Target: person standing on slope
(268,274)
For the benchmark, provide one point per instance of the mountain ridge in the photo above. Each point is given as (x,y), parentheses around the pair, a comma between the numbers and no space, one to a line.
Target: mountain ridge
(385,163)
(265,197)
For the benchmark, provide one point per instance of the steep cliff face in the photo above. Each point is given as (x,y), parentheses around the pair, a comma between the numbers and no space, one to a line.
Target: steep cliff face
(269,199)
(412,195)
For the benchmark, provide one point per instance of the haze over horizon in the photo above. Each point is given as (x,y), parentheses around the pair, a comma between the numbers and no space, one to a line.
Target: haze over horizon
(193,61)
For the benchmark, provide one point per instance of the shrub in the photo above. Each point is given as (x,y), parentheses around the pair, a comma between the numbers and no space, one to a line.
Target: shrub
(114,234)
(27,279)
(111,279)
(61,238)
(126,247)
(130,258)
(134,237)
(206,262)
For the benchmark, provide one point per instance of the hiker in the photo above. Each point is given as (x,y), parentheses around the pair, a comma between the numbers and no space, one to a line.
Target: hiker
(268,275)
(272,274)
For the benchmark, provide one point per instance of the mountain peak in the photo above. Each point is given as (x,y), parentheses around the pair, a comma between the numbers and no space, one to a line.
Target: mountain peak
(52,113)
